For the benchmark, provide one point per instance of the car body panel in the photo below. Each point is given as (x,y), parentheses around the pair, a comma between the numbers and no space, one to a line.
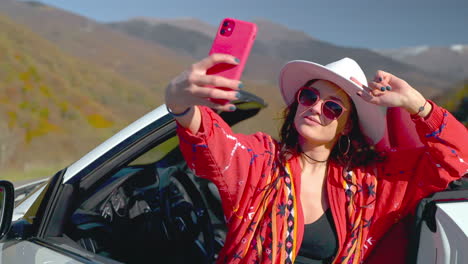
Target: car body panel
(449,243)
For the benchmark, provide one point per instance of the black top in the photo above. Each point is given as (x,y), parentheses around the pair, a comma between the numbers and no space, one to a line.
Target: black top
(320,241)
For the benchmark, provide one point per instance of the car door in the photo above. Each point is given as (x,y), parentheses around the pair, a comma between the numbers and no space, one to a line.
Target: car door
(25,242)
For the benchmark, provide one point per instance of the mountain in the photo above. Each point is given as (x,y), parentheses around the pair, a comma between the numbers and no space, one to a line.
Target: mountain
(276,45)
(170,34)
(56,107)
(150,64)
(187,23)
(152,51)
(449,61)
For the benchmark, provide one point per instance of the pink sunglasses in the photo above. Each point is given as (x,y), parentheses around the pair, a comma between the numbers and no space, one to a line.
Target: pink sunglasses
(308,97)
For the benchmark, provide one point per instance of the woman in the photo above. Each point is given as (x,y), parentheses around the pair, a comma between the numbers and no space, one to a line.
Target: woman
(322,191)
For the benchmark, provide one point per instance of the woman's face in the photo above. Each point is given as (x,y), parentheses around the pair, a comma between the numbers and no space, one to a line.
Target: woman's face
(313,126)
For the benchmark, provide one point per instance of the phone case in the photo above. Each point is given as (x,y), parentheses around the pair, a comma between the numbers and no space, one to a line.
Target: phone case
(234,37)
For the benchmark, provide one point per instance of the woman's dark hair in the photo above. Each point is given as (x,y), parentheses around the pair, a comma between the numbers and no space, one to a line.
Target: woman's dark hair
(360,152)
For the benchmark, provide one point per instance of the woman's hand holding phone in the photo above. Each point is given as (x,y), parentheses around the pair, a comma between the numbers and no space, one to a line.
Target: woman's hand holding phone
(215,80)
(195,87)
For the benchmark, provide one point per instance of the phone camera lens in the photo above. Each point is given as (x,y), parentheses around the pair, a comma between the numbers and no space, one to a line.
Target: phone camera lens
(226,23)
(223,31)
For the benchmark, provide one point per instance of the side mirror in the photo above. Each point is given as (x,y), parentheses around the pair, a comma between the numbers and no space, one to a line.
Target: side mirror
(7,197)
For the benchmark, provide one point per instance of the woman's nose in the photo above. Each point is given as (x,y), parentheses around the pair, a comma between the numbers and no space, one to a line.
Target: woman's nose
(316,108)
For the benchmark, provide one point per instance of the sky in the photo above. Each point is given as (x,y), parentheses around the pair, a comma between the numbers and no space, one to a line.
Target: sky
(374,24)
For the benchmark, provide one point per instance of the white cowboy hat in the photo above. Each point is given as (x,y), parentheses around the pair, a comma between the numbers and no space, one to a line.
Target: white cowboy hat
(296,73)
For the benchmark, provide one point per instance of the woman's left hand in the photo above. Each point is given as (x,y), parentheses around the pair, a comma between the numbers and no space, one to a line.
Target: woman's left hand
(388,90)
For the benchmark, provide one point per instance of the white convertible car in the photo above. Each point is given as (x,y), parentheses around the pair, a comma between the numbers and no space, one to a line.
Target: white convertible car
(133,200)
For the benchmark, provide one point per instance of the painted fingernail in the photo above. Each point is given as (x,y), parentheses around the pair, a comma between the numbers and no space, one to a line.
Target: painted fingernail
(238,95)
(379,79)
(382,88)
(388,88)
(240,86)
(236,60)
(232,108)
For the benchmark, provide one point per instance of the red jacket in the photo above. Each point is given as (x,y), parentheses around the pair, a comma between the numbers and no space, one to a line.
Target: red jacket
(259,193)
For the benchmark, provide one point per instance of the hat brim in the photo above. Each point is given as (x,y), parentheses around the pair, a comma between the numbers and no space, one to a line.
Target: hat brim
(296,73)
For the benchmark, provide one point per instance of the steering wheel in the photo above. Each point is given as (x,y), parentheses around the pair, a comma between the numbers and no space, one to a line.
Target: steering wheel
(186,218)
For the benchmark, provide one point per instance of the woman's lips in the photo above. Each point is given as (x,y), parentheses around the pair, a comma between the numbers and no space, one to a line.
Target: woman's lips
(311,120)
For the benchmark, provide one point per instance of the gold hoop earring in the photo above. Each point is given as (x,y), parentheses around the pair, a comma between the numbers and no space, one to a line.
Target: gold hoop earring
(347,147)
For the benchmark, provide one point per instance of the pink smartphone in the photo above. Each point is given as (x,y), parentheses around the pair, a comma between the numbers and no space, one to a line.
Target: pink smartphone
(234,37)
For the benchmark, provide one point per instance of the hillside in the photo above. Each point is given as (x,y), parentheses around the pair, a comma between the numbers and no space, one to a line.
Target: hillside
(56,107)
(456,101)
(150,64)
